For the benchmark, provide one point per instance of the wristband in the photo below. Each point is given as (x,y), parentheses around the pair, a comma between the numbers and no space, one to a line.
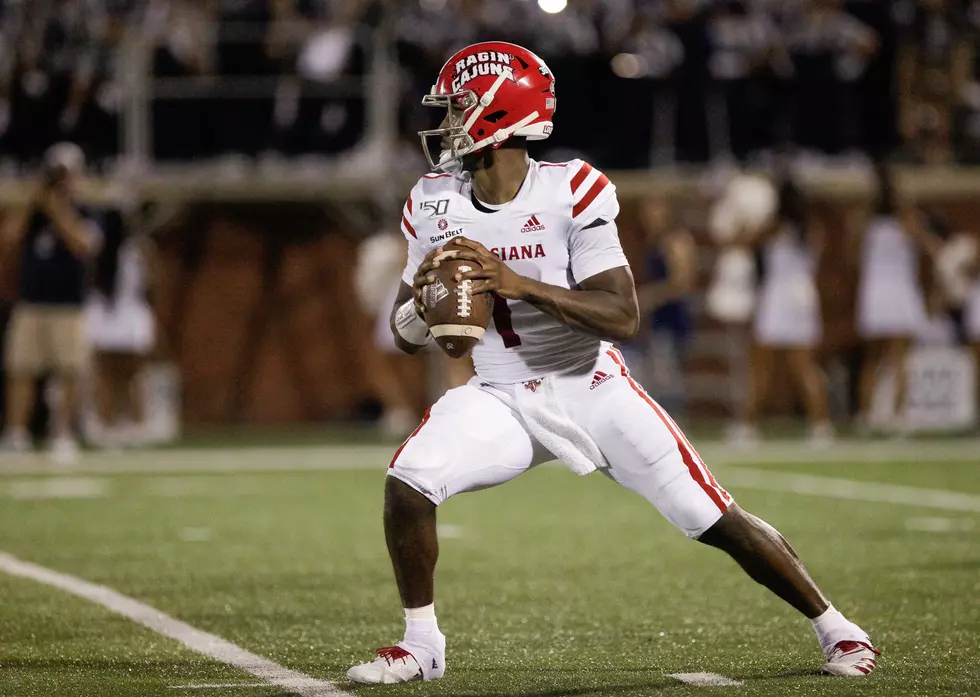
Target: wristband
(410,326)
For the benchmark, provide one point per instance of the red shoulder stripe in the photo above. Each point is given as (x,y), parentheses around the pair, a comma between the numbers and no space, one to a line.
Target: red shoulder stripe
(580,176)
(590,195)
(436,176)
(408,226)
(409,204)
(552,164)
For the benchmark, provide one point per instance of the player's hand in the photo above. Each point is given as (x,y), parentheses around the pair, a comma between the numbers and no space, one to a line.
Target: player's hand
(423,278)
(492,275)
(50,199)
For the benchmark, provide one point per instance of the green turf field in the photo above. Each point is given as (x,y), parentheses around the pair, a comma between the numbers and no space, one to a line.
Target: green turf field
(551,585)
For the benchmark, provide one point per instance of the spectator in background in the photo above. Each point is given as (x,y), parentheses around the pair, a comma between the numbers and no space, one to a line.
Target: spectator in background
(670,271)
(56,240)
(180,32)
(788,325)
(891,303)
(32,101)
(241,51)
(742,63)
(380,259)
(968,119)
(7,64)
(330,118)
(687,20)
(971,315)
(934,69)
(939,328)
(91,117)
(648,67)
(569,42)
(121,329)
(829,50)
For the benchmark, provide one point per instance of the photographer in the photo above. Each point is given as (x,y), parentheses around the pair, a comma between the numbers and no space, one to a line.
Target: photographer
(54,240)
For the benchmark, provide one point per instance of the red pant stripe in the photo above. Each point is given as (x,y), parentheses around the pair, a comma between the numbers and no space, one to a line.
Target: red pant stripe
(718,495)
(401,447)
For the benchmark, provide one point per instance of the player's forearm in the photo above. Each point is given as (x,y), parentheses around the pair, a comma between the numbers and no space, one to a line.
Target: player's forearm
(404,295)
(602,313)
(405,346)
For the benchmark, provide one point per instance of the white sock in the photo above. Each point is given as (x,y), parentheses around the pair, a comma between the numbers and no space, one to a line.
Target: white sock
(832,627)
(420,623)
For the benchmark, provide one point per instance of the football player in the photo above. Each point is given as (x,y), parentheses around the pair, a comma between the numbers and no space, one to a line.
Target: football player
(549,383)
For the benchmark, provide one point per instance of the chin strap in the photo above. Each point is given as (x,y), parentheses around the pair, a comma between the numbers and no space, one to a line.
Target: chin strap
(503,134)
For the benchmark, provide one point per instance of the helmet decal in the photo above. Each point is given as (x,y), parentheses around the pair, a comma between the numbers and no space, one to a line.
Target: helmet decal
(491,91)
(479,64)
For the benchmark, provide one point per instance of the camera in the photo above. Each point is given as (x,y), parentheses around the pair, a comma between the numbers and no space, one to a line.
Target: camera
(54,175)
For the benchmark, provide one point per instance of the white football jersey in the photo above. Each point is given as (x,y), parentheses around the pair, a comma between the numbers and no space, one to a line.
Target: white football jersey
(559,229)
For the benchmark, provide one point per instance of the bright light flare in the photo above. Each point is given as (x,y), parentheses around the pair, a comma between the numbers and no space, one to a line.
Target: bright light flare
(552,6)
(629,65)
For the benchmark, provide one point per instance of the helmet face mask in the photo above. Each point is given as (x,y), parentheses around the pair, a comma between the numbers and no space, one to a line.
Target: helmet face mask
(491,92)
(454,141)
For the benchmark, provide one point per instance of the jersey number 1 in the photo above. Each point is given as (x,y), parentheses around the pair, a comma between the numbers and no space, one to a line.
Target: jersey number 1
(501,320)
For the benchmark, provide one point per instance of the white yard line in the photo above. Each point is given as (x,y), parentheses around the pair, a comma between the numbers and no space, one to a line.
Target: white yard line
(376,457)
(939,525)
(704,679)
(55,488)
(851,489)
(208,644)
(212,460)
(737,470)
(218,686)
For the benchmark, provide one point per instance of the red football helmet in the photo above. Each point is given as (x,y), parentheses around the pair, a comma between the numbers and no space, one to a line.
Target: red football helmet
(491,91)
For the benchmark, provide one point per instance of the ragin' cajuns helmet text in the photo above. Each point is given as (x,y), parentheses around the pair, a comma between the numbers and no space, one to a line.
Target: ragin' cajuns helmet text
(491,91)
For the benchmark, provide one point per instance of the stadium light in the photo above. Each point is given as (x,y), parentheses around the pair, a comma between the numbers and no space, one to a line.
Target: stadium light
(552,6)
(629,65)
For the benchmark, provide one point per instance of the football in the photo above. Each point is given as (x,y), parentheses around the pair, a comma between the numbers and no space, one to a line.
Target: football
(456,319)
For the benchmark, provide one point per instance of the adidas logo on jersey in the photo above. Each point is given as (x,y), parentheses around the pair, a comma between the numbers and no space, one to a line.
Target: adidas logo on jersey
(599,378)
(532,225)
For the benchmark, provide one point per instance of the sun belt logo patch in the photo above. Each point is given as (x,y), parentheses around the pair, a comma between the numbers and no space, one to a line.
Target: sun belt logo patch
(532,225)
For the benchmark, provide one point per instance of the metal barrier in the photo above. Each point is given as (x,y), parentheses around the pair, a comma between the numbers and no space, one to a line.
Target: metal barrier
(143,90)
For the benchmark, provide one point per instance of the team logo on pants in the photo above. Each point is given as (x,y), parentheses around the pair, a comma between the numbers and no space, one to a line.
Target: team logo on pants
(532,385)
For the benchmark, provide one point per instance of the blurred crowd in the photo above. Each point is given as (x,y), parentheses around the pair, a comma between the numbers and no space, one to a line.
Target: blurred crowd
(752,276)
(915,307)
(640,82)
(78,334)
